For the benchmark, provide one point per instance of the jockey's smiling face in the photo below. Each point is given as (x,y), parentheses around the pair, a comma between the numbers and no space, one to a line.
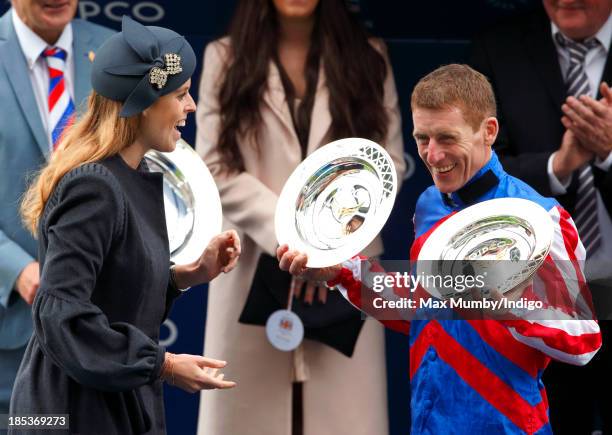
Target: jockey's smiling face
(452,149)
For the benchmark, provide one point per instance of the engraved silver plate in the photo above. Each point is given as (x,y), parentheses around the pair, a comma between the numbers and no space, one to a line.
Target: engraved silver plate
(191,201)
(336,201)
(503,240)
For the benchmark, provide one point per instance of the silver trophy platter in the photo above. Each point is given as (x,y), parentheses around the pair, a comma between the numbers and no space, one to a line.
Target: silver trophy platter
(336,201)
(191,201)
(504,241)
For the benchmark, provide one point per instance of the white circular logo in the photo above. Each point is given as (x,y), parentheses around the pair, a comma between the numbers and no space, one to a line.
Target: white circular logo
(285,330)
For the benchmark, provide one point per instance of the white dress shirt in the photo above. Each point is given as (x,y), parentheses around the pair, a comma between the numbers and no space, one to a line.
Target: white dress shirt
(598,265)
(32,47)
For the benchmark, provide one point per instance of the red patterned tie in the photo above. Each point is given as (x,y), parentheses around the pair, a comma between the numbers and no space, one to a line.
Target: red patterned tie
(61,107)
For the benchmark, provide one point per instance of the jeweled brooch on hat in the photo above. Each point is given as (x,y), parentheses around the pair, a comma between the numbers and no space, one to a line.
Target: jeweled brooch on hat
(172,65)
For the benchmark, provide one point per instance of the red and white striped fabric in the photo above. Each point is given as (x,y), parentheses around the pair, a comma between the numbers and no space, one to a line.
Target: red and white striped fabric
(570,333)
(59,101)
(565,329)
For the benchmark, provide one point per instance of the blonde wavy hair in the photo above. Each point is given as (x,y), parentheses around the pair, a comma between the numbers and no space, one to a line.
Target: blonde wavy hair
(99,133)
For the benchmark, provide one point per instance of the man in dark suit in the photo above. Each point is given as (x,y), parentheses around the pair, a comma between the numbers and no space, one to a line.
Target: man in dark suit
(547,71)
(45,63)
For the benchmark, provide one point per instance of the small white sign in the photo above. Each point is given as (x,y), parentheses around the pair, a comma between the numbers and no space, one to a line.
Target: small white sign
(285,330)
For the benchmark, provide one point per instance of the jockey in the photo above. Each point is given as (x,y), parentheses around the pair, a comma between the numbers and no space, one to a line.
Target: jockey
(476,375)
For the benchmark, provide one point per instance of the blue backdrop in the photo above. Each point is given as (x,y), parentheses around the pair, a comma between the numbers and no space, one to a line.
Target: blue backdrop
(421,36)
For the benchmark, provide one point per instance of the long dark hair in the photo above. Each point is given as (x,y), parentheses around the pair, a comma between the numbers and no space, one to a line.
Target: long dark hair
(354,71)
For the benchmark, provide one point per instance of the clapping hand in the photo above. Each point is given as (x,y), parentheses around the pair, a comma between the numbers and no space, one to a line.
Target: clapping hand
(570,156)
(591,121)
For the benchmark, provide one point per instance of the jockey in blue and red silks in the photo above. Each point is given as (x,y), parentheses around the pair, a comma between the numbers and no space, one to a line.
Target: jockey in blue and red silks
(476,375)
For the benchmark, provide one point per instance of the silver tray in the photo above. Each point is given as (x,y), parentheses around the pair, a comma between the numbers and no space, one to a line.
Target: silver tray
(191,201)
(336,201)
(503,240)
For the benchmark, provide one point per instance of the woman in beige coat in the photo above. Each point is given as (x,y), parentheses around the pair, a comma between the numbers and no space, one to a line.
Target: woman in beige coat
(311,56)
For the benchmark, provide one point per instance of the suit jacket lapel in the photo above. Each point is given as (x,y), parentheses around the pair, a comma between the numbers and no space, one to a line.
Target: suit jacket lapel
(274,97)
(82,64)
(16,70)
(321,118)
(607,72)
(539,45)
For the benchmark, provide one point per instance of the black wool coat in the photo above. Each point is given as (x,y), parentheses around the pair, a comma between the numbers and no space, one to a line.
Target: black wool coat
(104,292)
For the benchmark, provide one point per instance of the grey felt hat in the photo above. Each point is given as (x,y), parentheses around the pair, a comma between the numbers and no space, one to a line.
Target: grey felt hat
(140,64)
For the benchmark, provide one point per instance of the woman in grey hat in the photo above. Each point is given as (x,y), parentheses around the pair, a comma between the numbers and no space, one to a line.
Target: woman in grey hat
(106,278)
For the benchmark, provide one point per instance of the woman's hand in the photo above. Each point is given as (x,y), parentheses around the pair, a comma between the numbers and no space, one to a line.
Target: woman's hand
(312,288)
(193,373)
(295,263)
(221,255)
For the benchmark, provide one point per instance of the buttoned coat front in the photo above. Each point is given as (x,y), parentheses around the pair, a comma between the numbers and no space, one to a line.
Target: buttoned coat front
(337,391)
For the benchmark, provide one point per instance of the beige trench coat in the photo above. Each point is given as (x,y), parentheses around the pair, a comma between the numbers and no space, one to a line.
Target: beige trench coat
(340,395)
